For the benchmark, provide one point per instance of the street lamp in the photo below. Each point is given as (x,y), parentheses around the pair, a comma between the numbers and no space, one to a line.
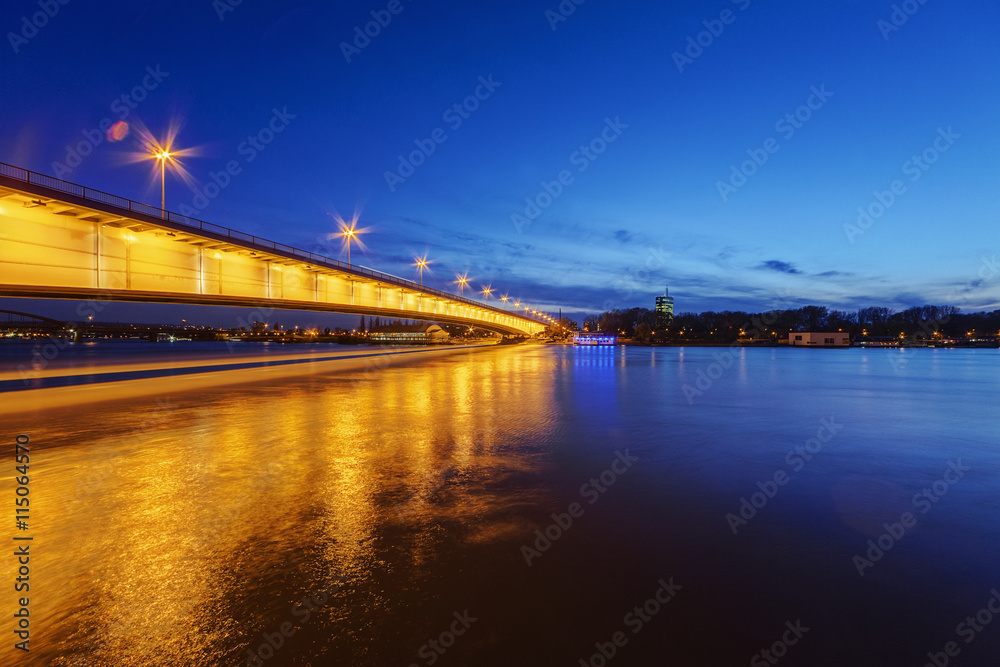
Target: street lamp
(486,291)
(504,298)
(421,264)
(163,155)
(350,235)
(462,282)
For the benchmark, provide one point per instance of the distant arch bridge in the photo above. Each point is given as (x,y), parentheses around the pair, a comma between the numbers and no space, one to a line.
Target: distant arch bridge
(13,319)
(60,240)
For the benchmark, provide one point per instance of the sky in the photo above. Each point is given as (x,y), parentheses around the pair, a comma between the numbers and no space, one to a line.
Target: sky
(750,154)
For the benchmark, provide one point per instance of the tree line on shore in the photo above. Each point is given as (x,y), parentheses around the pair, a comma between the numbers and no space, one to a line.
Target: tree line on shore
(727,326)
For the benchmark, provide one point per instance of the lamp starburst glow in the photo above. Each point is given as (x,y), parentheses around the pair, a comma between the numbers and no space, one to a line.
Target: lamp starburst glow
(462,280)
(166,153)
(486,291)
(421,264)
(349,234)
(163,156)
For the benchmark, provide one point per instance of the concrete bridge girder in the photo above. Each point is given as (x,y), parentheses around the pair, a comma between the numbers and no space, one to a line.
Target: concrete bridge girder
(61,248)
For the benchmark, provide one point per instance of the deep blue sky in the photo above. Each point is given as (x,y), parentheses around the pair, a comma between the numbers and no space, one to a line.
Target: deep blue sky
(646,212)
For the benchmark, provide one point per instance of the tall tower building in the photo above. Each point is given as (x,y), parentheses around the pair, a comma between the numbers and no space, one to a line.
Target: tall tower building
(664,308)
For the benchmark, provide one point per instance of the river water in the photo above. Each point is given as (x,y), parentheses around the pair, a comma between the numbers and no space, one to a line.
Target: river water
(527,505)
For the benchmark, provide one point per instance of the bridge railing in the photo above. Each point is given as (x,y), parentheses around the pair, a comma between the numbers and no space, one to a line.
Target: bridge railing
(34,178)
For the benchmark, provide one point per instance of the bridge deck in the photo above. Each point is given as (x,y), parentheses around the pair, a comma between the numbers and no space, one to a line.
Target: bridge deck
(61,240)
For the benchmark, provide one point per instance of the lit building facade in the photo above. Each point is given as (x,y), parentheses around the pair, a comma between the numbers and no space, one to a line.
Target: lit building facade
(664,309)
(819,339)
(408,333)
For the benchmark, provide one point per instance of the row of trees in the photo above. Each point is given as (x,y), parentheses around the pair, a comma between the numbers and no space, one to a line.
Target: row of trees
(728,325)
(376,322)
(621,320)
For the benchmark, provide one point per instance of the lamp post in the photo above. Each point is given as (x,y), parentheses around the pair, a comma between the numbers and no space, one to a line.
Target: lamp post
(163,155)
(462,282)
(486,291)
(350,234)
(421,264)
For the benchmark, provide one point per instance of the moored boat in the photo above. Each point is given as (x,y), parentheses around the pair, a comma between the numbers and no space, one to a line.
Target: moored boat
(598,338)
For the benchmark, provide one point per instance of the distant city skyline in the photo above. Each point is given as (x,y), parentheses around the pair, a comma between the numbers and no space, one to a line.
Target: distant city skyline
(574,161)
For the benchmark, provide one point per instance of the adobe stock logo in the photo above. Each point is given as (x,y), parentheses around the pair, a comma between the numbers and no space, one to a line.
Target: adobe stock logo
(714,28)
(923,502)
(381,19)
(967,629)
(901,14)
(302,611)
(454,116)
(122,107)
(796,459)
(592,491)
(434,649)
(786,126)
(778,650)
(31,26)
(565,9)
(222,7)
(635,620)
(581,158)
(254,144)
(915,168)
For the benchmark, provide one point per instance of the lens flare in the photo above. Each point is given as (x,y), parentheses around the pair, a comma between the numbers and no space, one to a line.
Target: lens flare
(118,131)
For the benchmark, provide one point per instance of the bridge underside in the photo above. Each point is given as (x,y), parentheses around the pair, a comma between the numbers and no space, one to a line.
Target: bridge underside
(68,247)
(252,309)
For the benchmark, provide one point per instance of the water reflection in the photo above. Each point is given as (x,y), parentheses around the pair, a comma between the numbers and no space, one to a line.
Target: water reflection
(184,528)
(597,355)
(182,542)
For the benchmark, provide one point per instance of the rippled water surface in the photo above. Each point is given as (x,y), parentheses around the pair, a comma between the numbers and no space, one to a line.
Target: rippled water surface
(368,514)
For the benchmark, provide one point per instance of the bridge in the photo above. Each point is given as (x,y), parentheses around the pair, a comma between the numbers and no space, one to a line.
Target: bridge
(12,320)
(60,240)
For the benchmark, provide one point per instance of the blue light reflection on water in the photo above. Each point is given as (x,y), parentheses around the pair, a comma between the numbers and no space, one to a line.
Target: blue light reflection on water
(902,417)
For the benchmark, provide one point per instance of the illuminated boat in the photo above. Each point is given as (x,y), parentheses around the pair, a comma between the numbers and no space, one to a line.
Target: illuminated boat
(598,338)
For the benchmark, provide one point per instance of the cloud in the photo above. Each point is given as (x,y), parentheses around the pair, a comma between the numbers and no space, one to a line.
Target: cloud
(623,236)
(781,267)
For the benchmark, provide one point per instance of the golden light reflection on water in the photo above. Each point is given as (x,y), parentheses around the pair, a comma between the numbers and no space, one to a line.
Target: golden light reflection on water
(179,541)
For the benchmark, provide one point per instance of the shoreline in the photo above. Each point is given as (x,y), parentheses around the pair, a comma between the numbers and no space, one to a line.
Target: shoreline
(852,346)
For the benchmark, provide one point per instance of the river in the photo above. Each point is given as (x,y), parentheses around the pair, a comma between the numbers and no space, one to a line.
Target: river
(524,505)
